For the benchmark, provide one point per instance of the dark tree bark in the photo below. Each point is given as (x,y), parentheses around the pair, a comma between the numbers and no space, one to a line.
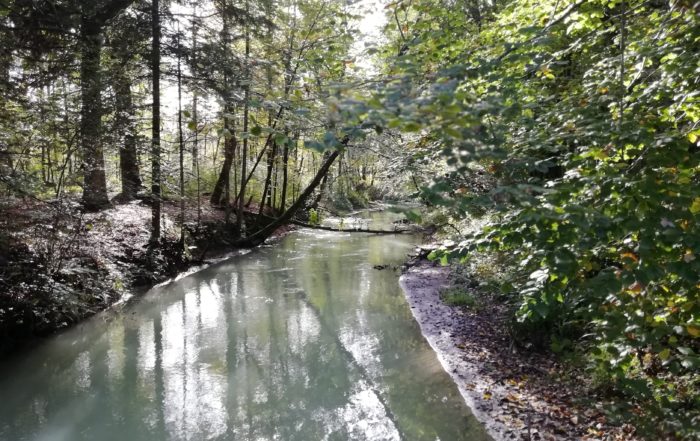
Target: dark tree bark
(268,179)
(195,119)
(285,175)
(240,226)
(92,22)
(94,180)
(126,125)
(319,196)
(220,194)
(5,87)
(181,142)
(155,146)
(217,196)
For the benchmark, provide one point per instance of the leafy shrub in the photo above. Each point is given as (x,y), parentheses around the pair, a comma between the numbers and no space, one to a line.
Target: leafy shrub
(314,217)
(589,124)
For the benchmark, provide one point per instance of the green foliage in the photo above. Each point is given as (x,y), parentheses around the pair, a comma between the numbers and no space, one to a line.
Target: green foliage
(314,217)
(358,198)
(586,115)
(458,297)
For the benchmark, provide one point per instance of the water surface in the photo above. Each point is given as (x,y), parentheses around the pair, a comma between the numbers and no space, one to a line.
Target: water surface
(301,340)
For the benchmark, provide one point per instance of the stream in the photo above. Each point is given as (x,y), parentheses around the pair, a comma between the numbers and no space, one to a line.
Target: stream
(299,340)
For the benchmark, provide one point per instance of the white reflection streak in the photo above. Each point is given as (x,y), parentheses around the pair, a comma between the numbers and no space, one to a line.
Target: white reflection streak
(147,348)
(115,354)
(83,370)
(366,418)
(173,377)
(303,328)
(194,393)
(209,306)
(146,363)
(365,413)
(363,349)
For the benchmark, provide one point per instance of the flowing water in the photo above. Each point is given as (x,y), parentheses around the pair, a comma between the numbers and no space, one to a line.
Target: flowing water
(301,340)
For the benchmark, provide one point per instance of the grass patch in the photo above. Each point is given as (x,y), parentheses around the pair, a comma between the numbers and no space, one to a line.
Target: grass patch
(458,297)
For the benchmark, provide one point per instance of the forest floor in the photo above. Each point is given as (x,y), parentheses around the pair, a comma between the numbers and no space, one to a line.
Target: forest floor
(59,266)
(517,394)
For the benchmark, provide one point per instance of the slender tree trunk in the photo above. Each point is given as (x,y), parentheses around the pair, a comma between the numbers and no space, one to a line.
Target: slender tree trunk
(195,120)
(181,142)
(240,225)
(217,196)
(220,194)
(322,190)
(296,185)
(285,172)
(272,201)
(195,157)
(268,179)
(125,122)
(155,146)
(43,162)
(5,61)
(272,153)
(260,236)
(195,96)
(5,88)
(94,179)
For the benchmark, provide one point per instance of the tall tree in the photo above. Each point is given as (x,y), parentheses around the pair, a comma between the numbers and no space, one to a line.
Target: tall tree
(126,37)
(222,187)
(93,18)
(155,141)
(180,139)
(240,225)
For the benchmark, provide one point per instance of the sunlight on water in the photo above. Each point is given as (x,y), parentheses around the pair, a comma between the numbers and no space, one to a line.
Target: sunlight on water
(303,340)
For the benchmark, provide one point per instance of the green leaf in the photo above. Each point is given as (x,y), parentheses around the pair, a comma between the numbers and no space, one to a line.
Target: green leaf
(413,215)
(691,362)
(695,206)
(281,139)
(412,127)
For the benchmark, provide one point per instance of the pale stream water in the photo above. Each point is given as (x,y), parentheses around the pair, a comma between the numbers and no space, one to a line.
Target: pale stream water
(300,340)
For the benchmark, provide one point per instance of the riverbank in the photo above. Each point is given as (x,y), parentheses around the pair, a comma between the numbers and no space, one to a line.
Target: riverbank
(516,394)
(59,266)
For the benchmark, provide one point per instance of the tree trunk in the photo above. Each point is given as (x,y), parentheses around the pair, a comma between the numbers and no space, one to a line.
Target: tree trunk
(94,179)
(125,122)
(195,157)
(268,178)
(222,188)
(240,226)
(155,146)
(195,119)
(316,201)
(217,196)
(285,172)
(272,202)
(181,142)
(261,235)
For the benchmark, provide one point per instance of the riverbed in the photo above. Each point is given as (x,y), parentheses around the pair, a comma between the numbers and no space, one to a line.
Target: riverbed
(305,339)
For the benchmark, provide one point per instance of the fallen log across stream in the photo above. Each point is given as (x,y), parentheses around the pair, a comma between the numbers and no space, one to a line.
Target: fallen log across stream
(353,230)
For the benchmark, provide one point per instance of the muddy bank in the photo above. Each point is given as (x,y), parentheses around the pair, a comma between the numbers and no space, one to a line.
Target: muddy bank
(516,394)
(59,266)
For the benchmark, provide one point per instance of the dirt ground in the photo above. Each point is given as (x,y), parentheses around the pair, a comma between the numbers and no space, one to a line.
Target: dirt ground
(59,265)
(516,394)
